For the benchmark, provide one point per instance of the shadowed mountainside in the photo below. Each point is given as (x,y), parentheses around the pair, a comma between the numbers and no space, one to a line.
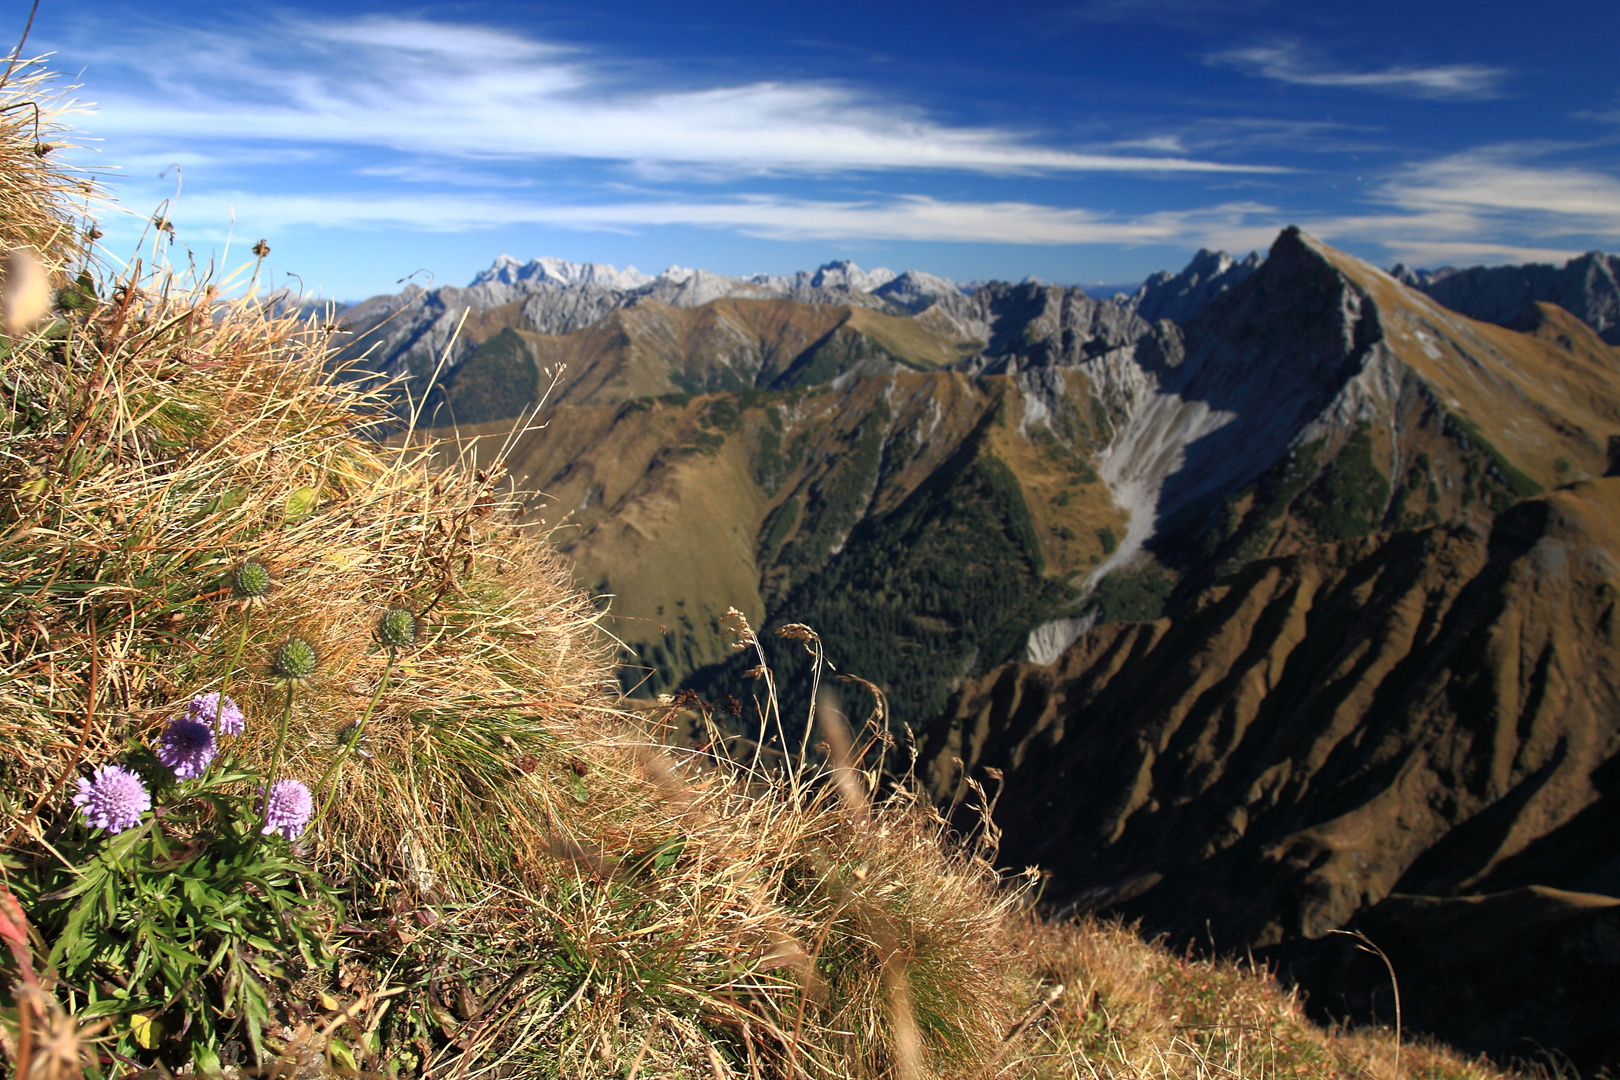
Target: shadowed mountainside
(1357,735)
(1588,287)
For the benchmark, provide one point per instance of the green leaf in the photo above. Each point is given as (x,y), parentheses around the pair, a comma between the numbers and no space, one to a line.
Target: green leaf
(665,854)
(225,500)
(205,1062)
(340,1057)
(580,792)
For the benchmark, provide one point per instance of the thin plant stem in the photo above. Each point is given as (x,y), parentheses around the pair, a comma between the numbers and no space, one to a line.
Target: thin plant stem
(275,758)
(236,658)
(225,680)
(332,771)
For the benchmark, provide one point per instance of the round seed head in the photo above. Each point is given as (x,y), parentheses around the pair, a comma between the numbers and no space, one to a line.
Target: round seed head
(397,629)
(250,581)
(294,660)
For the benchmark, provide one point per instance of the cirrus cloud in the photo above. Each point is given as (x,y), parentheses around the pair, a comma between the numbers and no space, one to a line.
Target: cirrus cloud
(466,92)
(1288,63)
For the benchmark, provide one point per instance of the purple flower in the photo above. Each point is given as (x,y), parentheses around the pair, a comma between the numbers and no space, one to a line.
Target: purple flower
(291,806)
(114,800)
(226,720)
(186,746)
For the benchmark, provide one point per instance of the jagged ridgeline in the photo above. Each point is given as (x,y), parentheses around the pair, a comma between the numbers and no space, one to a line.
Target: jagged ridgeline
(965,479)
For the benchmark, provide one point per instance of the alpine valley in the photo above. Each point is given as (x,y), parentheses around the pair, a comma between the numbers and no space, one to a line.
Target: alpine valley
(1274,599)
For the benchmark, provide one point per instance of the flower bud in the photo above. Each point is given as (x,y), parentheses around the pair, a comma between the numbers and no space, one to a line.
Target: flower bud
(250,581)
(294,660)
(397,629)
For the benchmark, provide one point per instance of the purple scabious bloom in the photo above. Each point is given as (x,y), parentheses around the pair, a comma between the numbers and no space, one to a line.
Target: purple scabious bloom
(114,800)
(224,718)
(186,746)
(289,810)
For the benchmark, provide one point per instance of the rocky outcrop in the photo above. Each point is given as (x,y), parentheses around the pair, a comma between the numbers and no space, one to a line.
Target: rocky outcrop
(1037,325)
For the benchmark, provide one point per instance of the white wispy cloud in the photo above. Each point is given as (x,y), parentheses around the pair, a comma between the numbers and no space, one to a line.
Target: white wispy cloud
(912,217)
(1486,205)
(1491,204)
(1506,181)
(466,92)
(1288,63)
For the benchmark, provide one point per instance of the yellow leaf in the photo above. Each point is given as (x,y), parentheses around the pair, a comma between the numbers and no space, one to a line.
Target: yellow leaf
(148,1031)
(300,503)
(33,487)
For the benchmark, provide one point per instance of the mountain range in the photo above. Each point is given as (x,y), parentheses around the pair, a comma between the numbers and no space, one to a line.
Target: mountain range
(1273,598)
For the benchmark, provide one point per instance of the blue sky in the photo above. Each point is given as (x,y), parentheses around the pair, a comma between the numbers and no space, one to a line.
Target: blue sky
(1086,142)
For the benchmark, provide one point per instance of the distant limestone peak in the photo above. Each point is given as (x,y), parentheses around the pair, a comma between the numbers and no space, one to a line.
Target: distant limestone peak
(1178,297)
(557,273)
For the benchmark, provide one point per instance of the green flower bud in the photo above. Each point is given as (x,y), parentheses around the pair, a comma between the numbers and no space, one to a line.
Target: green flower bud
(250,581)
(397,629)
(294,660)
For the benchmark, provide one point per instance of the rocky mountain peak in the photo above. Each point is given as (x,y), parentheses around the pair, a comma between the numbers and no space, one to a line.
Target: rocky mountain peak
(1178,297)
(549,271)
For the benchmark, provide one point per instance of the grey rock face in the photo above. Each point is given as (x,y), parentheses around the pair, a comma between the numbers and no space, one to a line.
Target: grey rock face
(1587,287)
(1178,297)
(1033,325)
(563,311)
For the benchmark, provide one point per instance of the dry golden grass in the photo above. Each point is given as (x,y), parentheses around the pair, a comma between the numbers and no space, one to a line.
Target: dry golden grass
(1135,1010)
(534,885)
